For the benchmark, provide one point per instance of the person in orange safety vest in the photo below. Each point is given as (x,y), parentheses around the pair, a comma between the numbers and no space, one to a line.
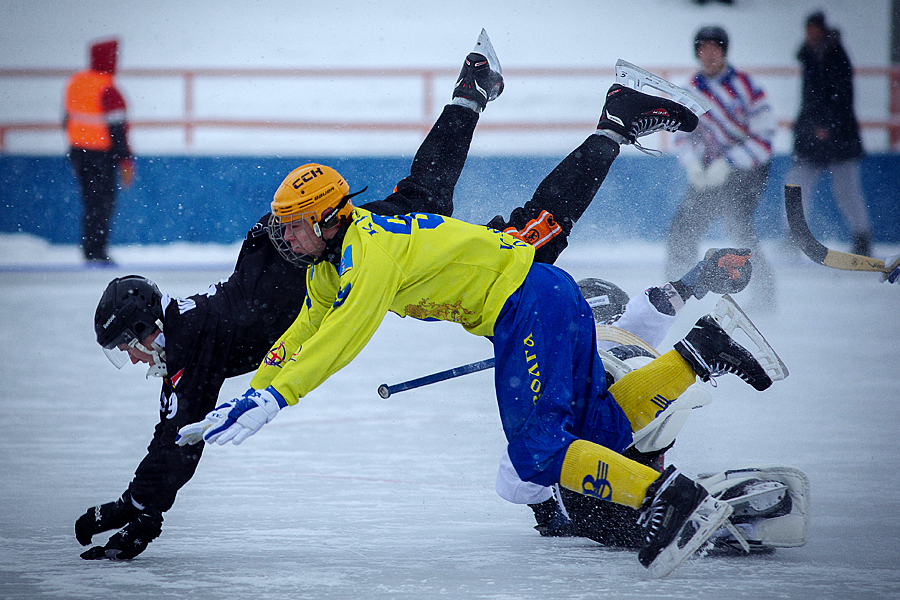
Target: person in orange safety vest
(98,145)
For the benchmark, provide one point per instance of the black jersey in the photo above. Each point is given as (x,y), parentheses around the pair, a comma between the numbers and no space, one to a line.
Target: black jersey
(227,330)
(220,333)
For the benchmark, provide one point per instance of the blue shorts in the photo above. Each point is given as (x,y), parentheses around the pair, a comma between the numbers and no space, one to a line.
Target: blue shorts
(551,385)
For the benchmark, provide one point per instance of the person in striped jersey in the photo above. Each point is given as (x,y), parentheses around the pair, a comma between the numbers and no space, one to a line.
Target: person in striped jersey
(727,160)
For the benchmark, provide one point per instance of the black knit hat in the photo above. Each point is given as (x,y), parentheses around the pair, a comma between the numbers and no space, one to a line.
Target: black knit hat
(817,18)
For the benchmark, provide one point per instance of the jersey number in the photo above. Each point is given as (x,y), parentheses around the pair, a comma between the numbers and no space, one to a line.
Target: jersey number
(403,223)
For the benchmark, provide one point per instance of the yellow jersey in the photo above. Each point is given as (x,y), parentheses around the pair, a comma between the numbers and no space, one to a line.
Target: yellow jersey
(420,265)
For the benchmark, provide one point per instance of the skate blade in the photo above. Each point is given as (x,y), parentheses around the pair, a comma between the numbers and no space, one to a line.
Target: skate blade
(710,515)
(738,536)
(484,47)
(637,78)
(730,317)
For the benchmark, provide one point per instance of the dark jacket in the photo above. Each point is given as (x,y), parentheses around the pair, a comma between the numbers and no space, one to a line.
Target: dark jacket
(827,102)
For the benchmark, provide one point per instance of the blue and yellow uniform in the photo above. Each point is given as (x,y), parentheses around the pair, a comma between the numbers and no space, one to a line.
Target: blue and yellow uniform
(421,265)
(550,382)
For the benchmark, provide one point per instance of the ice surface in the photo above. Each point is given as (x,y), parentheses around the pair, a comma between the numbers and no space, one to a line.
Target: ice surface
(350,496)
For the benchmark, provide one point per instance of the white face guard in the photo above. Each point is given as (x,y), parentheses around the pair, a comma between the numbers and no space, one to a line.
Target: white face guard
(119,357)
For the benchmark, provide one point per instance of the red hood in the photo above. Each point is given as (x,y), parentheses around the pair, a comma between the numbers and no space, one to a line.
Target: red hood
(103,56)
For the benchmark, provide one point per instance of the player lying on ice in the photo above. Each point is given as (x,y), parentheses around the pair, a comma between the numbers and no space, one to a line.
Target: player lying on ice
(770,503)
(199,350)
(563,424)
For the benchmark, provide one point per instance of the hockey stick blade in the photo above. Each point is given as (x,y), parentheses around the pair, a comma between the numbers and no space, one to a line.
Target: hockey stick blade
(637,78)
(385,390)
(730,317)
(793,204)
(483,46)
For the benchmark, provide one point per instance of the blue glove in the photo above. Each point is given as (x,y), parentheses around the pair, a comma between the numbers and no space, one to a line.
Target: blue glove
(722,271)
(236,420)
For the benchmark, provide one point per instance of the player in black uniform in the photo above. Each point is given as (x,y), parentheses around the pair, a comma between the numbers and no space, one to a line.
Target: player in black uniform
(198,342)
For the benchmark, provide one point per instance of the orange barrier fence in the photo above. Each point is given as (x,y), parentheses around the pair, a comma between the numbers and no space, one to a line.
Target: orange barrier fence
(188,118)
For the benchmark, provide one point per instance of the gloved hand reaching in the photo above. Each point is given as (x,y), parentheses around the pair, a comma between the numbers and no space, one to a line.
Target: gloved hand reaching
(140,526)
(722,271)
(235,420)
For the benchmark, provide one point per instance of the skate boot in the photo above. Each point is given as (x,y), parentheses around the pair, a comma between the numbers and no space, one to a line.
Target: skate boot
(677,516)
(631,114)
(477,81)
(711,352)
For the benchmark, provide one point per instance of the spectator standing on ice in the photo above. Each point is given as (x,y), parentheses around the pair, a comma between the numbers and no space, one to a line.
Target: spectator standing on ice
(826,133)
(727,162)
(96,130)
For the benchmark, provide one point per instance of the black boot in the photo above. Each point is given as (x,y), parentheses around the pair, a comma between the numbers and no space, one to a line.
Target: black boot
(677,516)
(477,81)
(632,114)
(711,352)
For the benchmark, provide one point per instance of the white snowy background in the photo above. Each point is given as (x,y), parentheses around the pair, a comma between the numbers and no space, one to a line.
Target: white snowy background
(351,496)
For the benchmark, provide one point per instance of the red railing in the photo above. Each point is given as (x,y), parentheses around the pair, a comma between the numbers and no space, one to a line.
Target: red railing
(189,122)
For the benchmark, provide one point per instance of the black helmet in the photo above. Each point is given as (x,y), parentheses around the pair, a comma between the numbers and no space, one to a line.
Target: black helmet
(711,33)
(607,300)
(129,310)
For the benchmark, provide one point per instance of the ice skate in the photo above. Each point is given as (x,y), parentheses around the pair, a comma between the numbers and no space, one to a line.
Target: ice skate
(677,517)
(638,79)
(736,322)
(711,352)
(481,77)
(630,114)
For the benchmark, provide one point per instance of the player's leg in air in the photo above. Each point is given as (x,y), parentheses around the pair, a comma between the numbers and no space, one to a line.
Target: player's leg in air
(440,159)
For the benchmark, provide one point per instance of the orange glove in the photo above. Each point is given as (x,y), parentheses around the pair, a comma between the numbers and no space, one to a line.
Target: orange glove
(126,172)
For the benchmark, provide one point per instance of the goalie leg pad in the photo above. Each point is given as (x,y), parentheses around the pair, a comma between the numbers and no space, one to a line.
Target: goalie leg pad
(771,504)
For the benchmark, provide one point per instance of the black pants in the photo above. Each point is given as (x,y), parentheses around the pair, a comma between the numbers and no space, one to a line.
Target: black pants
(96,174)
(435,168)
(565,193)
(734,202)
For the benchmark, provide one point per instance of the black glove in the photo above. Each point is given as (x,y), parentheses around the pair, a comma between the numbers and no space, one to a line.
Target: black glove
(722,271)
(111,515)
(141,526)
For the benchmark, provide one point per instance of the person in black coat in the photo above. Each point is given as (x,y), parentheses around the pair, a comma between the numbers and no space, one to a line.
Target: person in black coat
(826,132)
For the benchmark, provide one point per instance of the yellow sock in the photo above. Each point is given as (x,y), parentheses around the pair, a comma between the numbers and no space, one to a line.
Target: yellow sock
(593,470)
(644,393)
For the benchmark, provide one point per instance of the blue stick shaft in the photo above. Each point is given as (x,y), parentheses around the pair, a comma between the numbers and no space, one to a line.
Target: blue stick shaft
(385,390)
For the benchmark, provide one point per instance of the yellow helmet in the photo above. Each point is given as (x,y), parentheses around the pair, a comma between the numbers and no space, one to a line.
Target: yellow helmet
(314,193)
(311,192)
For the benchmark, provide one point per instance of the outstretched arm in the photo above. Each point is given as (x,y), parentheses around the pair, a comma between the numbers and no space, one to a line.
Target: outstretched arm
(722,271)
